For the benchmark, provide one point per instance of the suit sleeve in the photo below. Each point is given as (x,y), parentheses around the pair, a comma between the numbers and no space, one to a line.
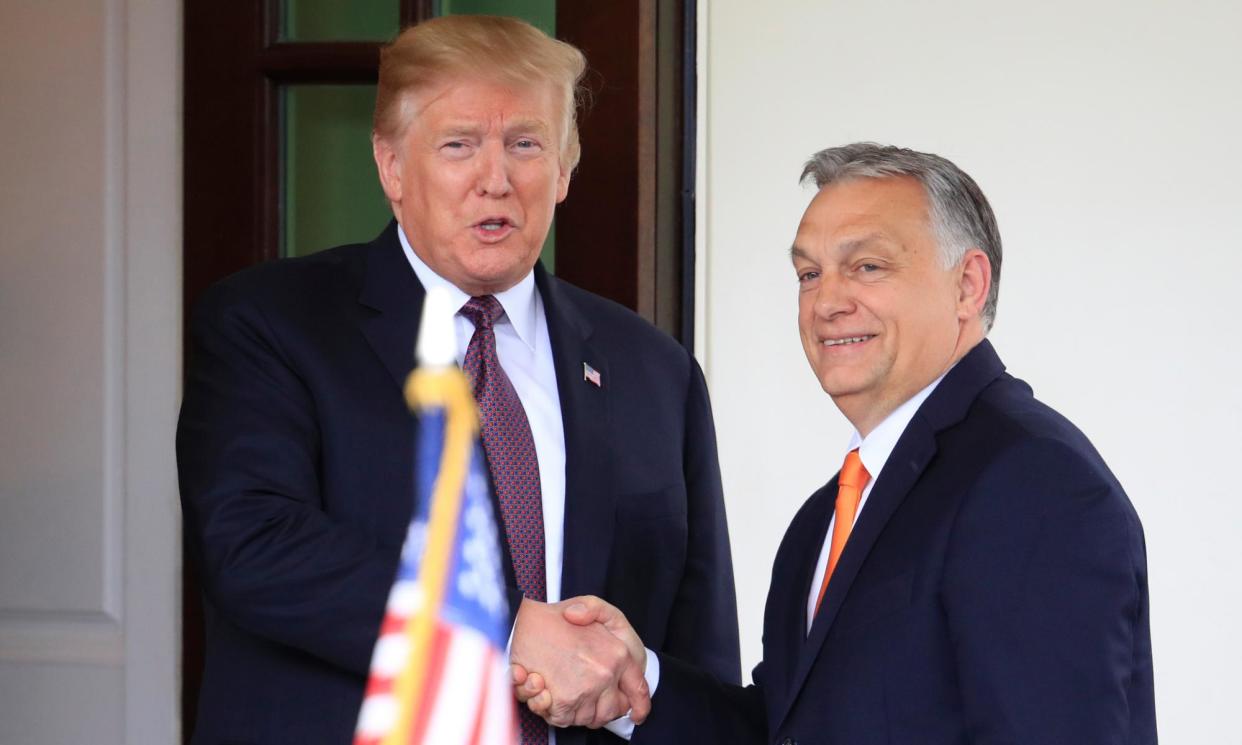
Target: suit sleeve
(703,622)
(271,560)
(1044,587)
(692,705)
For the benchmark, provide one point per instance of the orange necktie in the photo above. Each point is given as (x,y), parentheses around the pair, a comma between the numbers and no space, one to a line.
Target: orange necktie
(850,484)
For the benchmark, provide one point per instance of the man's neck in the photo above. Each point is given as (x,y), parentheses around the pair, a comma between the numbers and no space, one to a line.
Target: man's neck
(867,415)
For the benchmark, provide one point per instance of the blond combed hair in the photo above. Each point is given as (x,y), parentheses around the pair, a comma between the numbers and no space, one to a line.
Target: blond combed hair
(505,50)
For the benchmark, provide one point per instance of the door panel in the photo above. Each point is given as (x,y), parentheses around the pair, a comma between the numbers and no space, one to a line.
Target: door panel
(330,194)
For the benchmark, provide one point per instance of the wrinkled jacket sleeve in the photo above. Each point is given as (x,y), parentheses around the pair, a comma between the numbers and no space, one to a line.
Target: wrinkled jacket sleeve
(271,561)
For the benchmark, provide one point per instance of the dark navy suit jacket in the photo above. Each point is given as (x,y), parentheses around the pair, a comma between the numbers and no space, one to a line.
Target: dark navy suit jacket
(994,590)
(295,453)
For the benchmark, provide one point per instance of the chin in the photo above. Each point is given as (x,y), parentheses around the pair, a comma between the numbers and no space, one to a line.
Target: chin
(501,261)
(500,280)
(840,385)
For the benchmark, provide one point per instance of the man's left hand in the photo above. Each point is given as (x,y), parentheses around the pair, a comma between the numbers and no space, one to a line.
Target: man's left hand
(586,612)
(586,673)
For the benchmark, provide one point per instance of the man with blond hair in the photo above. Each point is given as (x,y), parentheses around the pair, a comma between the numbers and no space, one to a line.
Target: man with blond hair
(295,448)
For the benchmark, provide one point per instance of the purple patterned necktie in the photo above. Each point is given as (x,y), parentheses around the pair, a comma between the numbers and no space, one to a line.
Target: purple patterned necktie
(511,456)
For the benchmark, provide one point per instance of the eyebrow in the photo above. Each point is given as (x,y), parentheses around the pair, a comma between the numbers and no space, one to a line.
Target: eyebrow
(471,129)
(845,248)
(533,126)
(459,130)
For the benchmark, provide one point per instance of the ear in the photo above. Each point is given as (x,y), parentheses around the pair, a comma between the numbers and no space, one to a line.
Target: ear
(974,282)
(388,165)
(562,183)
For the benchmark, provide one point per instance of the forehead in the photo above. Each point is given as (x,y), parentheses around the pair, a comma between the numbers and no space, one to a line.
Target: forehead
(461,99)
(893,206)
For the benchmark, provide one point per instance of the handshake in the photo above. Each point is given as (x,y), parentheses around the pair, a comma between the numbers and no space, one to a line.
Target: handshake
(579,663)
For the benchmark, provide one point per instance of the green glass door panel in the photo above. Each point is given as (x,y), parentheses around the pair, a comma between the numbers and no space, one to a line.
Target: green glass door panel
(539,13)
(542,15)
(335,20)
(331,194)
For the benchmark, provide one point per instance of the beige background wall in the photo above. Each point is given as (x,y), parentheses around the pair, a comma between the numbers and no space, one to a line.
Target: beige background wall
(1106,135)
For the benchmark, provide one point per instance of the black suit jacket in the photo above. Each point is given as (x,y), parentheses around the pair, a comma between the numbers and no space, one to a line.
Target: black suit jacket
(993,590)
(295,455)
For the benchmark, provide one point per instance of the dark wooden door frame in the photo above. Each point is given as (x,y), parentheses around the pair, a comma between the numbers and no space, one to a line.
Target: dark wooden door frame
(626,231)
(235,64)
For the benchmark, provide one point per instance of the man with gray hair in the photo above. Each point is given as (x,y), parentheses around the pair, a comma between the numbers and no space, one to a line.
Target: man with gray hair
(974,573)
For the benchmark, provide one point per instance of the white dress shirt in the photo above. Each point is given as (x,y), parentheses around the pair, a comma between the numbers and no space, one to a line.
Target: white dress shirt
(525,352)
(873,450)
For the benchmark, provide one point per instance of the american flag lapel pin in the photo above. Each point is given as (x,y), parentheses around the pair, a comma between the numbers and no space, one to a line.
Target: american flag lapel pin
(591,375)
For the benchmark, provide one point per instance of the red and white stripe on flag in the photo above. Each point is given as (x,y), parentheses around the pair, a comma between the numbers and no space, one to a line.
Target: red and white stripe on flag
(467,698)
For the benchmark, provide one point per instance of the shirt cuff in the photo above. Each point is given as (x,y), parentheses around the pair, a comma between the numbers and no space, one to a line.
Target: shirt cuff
(623,727)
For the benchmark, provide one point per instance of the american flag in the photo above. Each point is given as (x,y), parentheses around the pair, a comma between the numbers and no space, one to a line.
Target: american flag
(591,375)
(439,674)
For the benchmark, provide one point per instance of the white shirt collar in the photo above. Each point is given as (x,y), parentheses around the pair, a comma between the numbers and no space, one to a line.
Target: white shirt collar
(874,451)
(518,301)
(875,448)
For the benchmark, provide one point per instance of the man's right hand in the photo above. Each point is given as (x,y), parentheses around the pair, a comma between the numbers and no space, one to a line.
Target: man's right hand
(582,672)
(542,696)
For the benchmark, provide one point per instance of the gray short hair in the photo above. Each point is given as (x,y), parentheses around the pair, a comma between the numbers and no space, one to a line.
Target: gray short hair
(961,217)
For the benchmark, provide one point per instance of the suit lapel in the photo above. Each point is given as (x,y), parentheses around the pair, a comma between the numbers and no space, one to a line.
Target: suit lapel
(914,450)
(797,562)
(392,290)
(947,405)
(584,413)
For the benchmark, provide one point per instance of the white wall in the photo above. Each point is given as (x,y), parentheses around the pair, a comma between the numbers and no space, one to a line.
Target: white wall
(90,297)
(1108,137)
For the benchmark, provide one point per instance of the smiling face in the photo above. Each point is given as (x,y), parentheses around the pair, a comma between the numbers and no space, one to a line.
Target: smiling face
(879,318)
(475,177)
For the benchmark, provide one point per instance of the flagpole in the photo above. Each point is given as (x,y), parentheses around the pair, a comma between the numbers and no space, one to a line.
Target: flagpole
(435,383)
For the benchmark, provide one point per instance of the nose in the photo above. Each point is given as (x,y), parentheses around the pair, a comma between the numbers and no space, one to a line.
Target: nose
(493,176)
(832,297)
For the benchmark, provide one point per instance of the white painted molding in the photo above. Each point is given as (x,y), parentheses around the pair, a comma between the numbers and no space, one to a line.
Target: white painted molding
(149,33)
(113,486)
(90,613)
(702,248)
(54,640)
